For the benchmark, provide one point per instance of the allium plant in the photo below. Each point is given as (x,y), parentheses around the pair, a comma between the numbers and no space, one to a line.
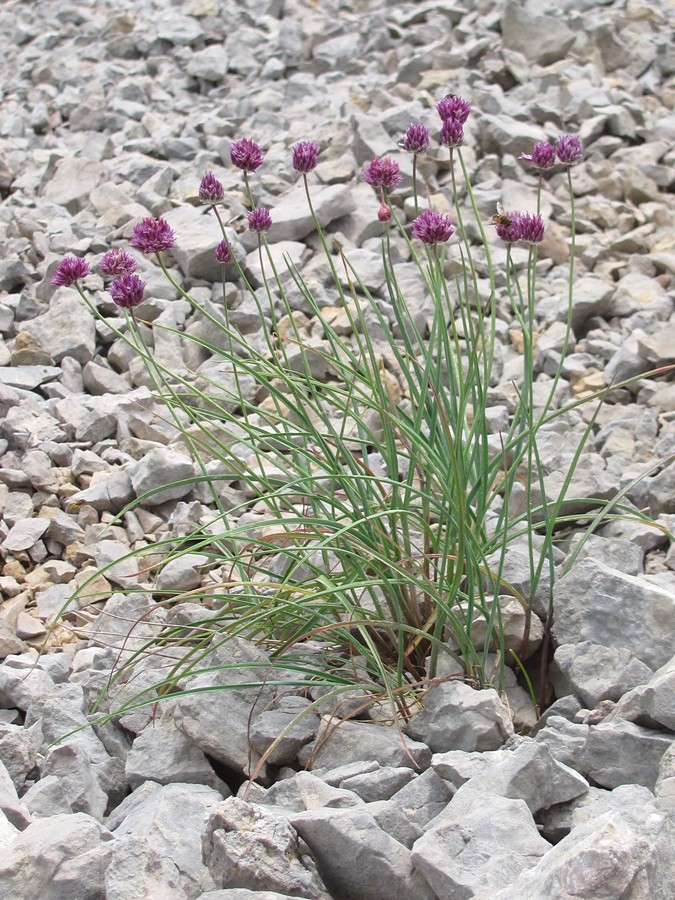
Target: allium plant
(127,291)
(70,270)
(385,508)
(152,236)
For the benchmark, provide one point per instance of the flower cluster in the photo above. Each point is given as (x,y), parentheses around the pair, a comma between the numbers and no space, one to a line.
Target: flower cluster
(518,226)
(259,220)
(70,270)
(223,254)
(454,111)
(416,138)
(127,291)
(305,155)
(542,156)
(453,108)
(384,173)
(210,189)
(569,149)
(117,262)
(152,236)
(432,227)
(247,155)
(452,133)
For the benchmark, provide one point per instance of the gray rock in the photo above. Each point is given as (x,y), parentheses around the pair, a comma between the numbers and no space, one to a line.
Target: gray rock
(182,573)
(25,427)
(70,763)
(163,754)
(528,773)
(305,791)
(210,64)
(489,842)
(381,784)
(405,815)
(47,797)
(9,642)
(456,717)
(103,380)
(69,183)
(243,894)
(128,622)
(625,852)
(594,673)
(459,766)
(20,688)
(65,330)
(291,216)
(197,235)
(620,752)
(541,39)
(218,720)
(110,494)
(19,748)
(60,857)
(28,377)
(25,534)
(337,838)
(624,555)
(252,847)
(516,572)
(651,704)
(113,561)
(7,831)
(559,821)
(277,731)
(14,810)
(280,253)
(157,469)
(595,603)
(564,739)
(353,741)
(664,789)
(158,851)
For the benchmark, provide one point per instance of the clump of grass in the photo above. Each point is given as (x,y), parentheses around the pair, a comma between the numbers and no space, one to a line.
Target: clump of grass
(379,506)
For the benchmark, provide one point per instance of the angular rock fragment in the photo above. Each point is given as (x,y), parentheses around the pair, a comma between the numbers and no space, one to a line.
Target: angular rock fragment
(490,842)
(60,856)
(356,858)
(595,603)
(249,846)
(456,717)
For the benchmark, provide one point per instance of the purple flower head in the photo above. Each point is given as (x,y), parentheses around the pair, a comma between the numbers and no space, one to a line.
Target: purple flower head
(152,236)
(510,228)
(117,262)
(416,138)
(247,155)
(452,133)
(127,291)
(259,220)
(569,149)
(384,212)
(531,228)
(453,108)
(432,227)
(70,270)
(223,254)
(305,154)
(542,156)
(210,189)
(384,172)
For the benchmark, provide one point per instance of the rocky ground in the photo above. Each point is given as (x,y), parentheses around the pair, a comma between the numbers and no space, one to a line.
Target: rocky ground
(112,112)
